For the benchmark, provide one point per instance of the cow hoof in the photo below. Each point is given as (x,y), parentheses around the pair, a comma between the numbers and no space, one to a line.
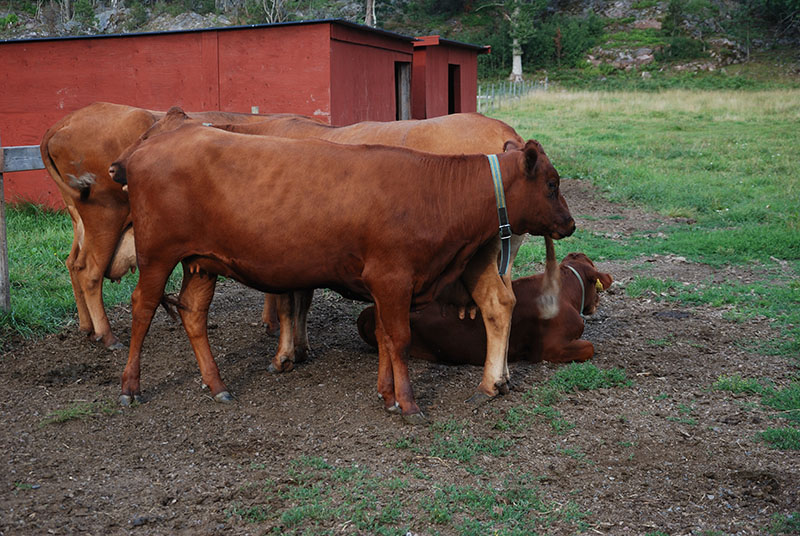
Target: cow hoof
(503,387)
(478,399)
(223,397)
(394,409)
(416,418)
(128,400)
(286,366)
(115,346)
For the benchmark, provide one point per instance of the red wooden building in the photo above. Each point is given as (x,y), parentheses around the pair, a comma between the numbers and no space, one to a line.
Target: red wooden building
(332,69)
(444,77)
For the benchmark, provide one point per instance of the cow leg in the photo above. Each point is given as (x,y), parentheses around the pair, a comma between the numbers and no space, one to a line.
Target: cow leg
(84,318)
(393,332)
(284,357)
(269,315)
(145,299)
(496,302)
(578,350)
(93,260)
(197,291)
(302,304)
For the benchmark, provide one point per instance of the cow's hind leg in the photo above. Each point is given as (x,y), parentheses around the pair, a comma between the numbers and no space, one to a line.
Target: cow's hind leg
(84,319)
(301,306)
(145,299)
(292,311)
(93,260)
(269,314)
(196,294)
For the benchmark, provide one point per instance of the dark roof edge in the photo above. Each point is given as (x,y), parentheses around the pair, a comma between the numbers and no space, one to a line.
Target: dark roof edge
(342,22)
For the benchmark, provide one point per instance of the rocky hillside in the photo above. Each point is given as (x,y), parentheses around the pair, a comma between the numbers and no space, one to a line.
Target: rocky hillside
(644,36)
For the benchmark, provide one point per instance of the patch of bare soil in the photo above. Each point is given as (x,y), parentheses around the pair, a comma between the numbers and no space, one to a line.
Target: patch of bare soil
(666,454)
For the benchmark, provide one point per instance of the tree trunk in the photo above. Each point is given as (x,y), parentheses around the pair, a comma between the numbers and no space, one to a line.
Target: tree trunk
(369,20)
(516,62)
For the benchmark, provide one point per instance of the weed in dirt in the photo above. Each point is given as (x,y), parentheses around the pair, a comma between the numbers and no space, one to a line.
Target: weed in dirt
(80,410)
(542,399)
(586,377)
(785,524)
(776,298)
(785,402)
(452,440)
(321,498)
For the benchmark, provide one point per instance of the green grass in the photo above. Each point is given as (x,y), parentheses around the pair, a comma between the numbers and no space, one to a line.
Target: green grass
(783,404)
(722,160)
(318,497)
(541,400)
(81,411)
(42,302)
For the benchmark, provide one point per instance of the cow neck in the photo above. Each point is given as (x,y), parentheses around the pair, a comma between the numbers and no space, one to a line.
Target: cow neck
(583,289)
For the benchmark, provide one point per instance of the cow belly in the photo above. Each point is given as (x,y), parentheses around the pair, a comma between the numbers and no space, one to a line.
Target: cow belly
(124,257)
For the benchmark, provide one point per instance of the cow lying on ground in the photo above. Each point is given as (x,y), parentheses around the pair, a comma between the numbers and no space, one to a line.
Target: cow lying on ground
(446,339)
(378,223)
(77,151)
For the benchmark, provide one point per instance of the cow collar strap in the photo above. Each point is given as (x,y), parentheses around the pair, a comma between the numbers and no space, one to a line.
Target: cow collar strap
(502,214)
(583,289)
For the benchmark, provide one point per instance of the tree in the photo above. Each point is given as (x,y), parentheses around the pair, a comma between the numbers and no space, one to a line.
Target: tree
(522,16)
(369,20)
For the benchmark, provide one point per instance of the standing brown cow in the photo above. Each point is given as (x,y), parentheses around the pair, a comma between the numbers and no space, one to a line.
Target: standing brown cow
(88,140)
(385,224)
(453,134)
(77,151)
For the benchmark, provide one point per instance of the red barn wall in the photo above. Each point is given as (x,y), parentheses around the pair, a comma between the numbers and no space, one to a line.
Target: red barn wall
(44,80)
(429,82)
(363,75)
(279,69)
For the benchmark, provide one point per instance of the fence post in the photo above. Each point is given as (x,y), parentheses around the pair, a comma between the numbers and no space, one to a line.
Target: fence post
(5,284)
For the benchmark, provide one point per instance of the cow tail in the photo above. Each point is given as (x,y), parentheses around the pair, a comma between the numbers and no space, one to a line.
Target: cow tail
(79,187)
(551,284)
(171,306)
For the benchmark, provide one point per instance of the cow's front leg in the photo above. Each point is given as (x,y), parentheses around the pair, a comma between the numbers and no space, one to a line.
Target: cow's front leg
(301,305)
(196,294)
(496,302)
(145,299)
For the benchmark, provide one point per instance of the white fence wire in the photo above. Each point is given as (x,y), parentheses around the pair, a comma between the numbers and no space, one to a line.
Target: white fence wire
(494,95)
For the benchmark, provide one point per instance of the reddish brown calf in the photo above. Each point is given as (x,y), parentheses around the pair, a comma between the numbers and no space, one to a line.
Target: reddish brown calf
(446,339)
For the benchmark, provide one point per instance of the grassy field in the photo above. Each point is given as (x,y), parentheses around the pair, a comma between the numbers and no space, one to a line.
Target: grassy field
(723,160)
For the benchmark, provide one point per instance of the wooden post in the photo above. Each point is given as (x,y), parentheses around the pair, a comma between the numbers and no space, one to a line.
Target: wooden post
(23,158)
(5,283)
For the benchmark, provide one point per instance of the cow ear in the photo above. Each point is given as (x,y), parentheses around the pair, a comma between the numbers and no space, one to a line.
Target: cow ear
(602,281)
(532,151)
(176,112)
(511,145)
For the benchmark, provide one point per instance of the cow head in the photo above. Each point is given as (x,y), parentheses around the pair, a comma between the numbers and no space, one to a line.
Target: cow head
(546,212)
(594,281)
(173,119)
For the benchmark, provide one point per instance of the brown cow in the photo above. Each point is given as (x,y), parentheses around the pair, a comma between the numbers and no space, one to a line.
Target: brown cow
(435,337)
(467,133)
(77,151)
(385,224)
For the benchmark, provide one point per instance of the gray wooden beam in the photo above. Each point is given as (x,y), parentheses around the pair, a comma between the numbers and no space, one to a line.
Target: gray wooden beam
(22,158)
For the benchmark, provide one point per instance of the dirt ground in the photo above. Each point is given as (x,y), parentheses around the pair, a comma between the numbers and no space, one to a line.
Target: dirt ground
(666,454)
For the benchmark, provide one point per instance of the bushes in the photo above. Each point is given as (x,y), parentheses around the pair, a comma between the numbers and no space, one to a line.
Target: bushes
(681,47)
(562,41)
